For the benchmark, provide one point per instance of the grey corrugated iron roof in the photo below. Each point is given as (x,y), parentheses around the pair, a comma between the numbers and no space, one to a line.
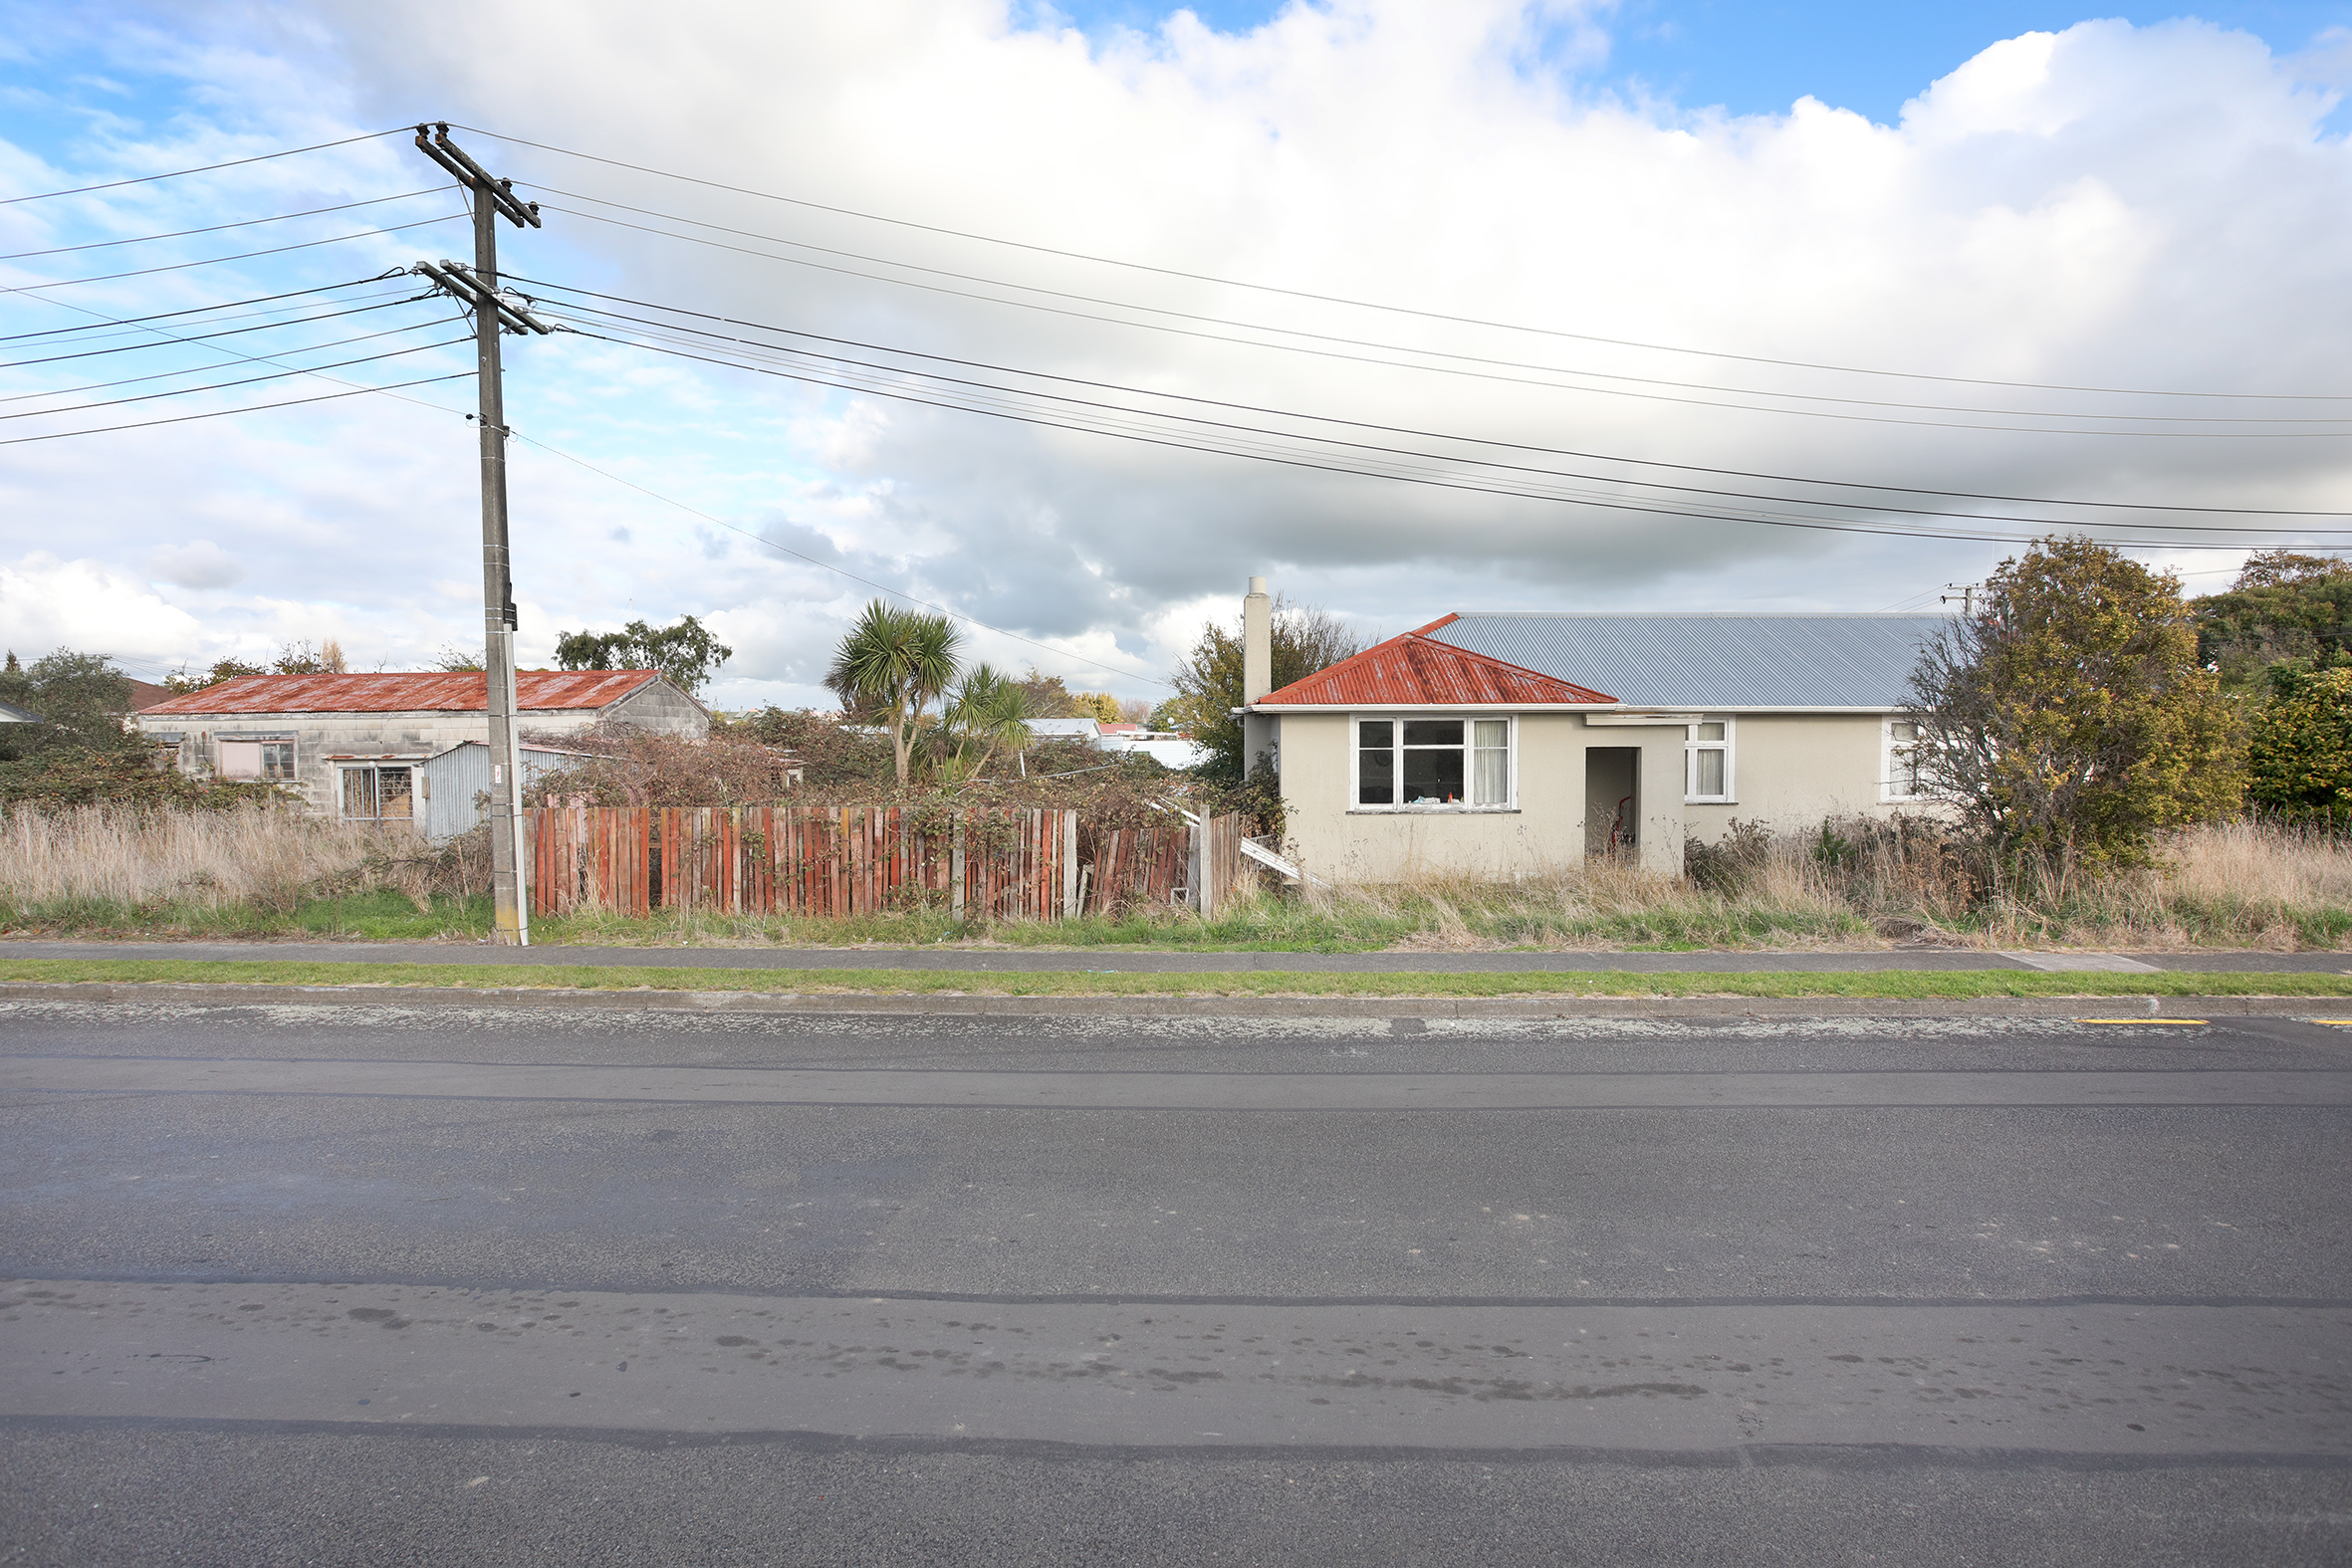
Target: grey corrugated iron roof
(1712,661)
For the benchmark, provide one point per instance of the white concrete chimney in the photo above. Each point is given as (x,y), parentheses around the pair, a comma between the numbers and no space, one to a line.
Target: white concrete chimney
(1257,642)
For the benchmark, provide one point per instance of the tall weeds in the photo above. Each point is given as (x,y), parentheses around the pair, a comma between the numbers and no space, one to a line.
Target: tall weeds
(269,857)
(2252,884)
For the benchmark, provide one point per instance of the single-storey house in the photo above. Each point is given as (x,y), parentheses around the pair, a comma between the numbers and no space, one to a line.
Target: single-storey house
(1504,745)
(357,746)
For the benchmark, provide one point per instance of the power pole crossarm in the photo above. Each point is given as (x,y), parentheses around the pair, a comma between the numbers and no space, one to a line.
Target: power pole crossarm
(492,199)
(456,279)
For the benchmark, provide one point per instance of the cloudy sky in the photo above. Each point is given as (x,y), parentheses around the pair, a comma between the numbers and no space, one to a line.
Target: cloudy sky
(1100,309)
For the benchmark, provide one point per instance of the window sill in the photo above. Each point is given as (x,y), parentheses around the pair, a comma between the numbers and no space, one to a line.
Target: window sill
(1433,811)
(1710,800)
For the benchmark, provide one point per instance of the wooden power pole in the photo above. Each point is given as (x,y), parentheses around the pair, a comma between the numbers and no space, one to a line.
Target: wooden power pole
(477,288)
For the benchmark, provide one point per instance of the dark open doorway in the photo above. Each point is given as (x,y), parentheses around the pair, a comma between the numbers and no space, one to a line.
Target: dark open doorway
(1613,800)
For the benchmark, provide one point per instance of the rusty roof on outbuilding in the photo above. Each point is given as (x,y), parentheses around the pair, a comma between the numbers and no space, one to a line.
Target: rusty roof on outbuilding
(459,691)
(1413,671)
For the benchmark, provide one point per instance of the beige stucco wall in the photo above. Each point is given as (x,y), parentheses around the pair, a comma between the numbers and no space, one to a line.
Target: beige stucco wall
(1543,833)
(1789,771)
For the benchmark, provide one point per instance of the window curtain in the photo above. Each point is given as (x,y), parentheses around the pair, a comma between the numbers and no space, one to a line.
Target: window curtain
(1491,770)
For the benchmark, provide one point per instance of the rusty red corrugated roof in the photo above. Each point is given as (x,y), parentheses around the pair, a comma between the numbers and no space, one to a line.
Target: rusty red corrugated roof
(1412,671)
(457,691)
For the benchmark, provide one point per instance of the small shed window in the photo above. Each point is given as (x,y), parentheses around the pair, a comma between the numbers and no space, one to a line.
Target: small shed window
(1901,771)
(268,761)
(378,795)
(1707,760)
(1433,763)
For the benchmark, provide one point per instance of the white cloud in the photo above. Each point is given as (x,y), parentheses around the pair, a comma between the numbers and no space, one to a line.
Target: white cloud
(2106,206)
(91,606)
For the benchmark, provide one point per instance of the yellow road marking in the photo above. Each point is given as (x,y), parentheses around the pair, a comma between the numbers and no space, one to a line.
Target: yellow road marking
(2155,1020)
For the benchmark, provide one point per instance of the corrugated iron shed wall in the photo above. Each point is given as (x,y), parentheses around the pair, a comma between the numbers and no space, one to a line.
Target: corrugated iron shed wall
(433,692)
(1713,661)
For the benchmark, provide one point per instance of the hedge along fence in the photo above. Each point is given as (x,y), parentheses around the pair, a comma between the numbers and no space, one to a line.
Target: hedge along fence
(855,860)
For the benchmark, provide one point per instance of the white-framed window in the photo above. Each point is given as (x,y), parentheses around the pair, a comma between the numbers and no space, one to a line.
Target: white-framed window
(270,759)
(1707,760)
(376,793)
(1434,764)
(1898,768)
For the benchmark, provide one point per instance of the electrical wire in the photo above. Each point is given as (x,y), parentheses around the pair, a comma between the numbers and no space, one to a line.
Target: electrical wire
(2344,430)
(214,261)
(250,408)
(1389,348)
(274,375)
(242,223)
(395,390)
(197,337)
(193,310)
(205,168)
(131,380)
(1388,429)
(1369,305)
(843,382)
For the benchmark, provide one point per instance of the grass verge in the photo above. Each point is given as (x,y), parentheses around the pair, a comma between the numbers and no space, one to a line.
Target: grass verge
(1890,984)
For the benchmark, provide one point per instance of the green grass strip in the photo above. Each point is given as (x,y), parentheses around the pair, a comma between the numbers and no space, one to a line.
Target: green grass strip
(1062,983)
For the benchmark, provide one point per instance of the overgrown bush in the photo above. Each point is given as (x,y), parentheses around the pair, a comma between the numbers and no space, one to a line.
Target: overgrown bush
(2299,753)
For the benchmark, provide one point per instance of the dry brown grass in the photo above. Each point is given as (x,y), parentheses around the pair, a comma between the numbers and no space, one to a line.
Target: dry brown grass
(2240,884)
(260,855)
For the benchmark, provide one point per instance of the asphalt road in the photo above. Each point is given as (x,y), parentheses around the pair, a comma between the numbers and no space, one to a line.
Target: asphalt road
(348,1285)
(1118,961)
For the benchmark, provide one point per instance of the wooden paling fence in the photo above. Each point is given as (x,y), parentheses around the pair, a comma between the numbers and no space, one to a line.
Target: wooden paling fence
(852,860)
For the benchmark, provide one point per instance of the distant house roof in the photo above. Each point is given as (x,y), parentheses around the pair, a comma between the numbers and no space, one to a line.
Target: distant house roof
(147,692)
(1710,661)
(1414,670)
(1089,728)
(465,691)
(10,713)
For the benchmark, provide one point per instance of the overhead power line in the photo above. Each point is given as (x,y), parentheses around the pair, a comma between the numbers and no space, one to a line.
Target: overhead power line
(215,228)
(201,370)
(1482,367)
(214,261)
(222,413)
(1874,505)
(203,168)
(2341,426)
(104,320)
(226,332)
(189,391)
(1370,304)
(1084,423)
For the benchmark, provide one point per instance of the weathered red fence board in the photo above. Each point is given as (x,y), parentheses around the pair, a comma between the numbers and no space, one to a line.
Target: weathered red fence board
(849,860)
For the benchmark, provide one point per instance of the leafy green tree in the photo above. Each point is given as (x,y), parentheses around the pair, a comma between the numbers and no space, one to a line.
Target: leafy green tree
(1208,683)
(81,700)
(2299,753)
(892,665)
(2070,717)
(686,652)
(2283,607)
